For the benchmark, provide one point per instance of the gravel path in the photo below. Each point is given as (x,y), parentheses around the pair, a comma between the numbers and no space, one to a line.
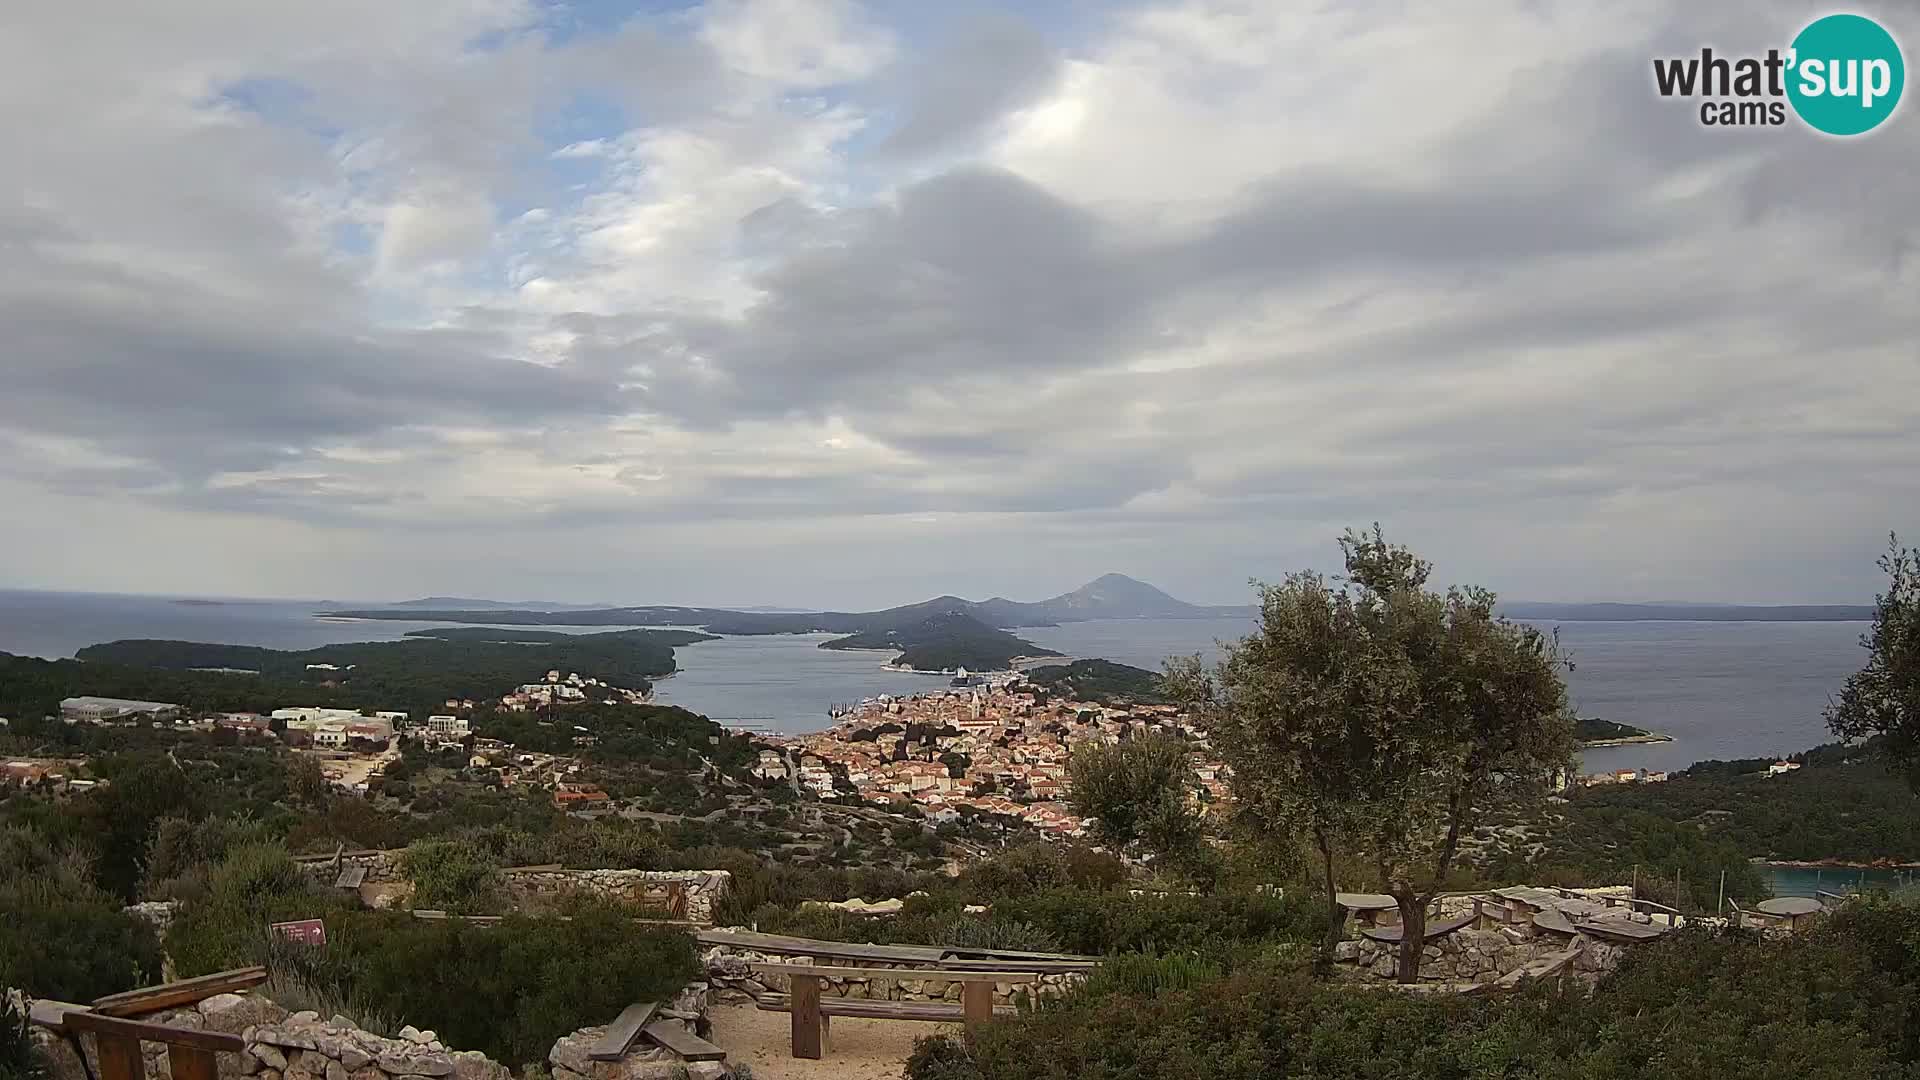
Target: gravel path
(856,1050)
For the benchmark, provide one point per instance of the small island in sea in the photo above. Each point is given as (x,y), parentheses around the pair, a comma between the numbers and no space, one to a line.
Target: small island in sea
(1593,731)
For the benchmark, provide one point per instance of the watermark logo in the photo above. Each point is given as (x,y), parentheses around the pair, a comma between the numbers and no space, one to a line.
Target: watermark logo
(1842,75)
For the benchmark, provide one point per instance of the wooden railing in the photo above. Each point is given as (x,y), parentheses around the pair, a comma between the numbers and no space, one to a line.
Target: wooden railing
(117,1035)
(117,1039)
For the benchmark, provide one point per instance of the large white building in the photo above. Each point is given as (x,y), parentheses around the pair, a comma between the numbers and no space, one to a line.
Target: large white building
(100,710)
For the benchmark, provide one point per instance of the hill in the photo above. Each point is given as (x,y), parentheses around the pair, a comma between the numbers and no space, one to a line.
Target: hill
(1688,612)
(943,642)
(1102,681)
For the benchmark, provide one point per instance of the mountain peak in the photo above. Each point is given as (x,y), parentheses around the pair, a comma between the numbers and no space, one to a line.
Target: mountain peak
(1120,595)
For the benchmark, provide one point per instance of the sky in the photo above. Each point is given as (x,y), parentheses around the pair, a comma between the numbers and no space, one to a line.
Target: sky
(827,303)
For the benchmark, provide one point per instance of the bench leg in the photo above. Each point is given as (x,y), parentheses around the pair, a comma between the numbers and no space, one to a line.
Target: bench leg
(977,1003)
(809,1027)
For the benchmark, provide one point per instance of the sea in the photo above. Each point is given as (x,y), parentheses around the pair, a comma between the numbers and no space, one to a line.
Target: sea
(1720,689)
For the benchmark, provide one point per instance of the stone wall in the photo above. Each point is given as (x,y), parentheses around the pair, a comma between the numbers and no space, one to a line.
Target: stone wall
(703,888)
(733,980)
(1473,956)
(569,1058)
(529,884)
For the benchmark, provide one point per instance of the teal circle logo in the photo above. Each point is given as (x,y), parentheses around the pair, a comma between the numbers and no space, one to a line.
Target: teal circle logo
(1846,75)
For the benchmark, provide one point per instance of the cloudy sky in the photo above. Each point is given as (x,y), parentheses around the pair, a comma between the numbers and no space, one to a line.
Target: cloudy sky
(819,302)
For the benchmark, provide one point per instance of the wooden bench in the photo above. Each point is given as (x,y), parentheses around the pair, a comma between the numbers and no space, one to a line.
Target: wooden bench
(190,1051)
(637,1020)
(811,1011)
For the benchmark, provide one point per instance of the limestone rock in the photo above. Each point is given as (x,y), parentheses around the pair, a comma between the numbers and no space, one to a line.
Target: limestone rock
(353,1057)
(1347,951)
(269,1055)
(234,1013)
(304,1016)
(411,1034)
(335,1070)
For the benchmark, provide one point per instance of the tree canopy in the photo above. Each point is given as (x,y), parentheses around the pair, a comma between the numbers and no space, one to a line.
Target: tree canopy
(1375,714)
(1883,698)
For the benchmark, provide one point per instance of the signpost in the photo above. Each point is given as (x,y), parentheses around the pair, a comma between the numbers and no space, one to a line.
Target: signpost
(305,931)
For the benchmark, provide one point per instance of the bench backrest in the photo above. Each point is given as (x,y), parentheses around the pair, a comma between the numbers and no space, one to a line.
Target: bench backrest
(910,974)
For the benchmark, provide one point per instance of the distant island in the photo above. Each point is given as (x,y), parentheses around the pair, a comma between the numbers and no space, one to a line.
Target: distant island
(949,632)
(946,642)
(941,634)
(1101,680)
(1593,731)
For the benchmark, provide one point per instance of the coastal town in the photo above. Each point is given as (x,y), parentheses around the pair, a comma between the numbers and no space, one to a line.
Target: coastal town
(998,745)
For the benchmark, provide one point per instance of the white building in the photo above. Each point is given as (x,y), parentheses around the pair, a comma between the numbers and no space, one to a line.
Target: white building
(100,710)
(447,725)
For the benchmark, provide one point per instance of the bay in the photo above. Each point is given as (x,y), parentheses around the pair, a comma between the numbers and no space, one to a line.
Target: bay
(1720,689)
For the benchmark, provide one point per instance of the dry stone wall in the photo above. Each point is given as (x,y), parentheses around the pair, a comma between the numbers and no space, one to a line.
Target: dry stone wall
(1474,956)
(730,973)
(531,884)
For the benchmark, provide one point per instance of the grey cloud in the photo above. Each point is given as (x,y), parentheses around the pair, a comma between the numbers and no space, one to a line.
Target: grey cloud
(989,67)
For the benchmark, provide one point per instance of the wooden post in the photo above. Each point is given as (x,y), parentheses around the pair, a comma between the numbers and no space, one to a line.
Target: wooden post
(119,1057)
(191,1063)
(977,1003)
(1720,908)
(808,1024)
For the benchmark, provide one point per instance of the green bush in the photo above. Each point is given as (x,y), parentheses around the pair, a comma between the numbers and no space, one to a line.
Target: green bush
(1147,974)
(18,1058)
(509,989)
(961,931)
(1038,865)
(1227,926)
(1836,1003)
(60,936)
(255,886)
(453,875)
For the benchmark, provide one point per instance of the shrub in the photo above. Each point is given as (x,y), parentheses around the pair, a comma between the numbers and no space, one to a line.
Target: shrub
(1838,1002)
(19,1060)
(1226,926)
(60,936)
(1147,974)
(255,886)
(962,931)
(453,875)
(509,990)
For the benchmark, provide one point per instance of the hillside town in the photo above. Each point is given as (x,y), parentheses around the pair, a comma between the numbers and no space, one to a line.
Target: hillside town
(998,746)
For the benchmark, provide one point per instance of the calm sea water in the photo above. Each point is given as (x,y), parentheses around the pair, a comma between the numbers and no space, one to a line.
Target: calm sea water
(1722,690)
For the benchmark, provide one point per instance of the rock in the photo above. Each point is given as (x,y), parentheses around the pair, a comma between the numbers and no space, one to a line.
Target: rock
(431,1065)
(1385,966)
(1347,951)
(353,1057)
(427,1036)
(708,1070)
(234,1013)
(269,1055)
(268,1074)
(336,1071)
(411,1034)
(304,1016)
(342,1022)
(474,1065)
(570,1052)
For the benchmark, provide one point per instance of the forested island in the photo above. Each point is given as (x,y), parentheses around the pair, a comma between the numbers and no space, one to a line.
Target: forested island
(1593,731)
(945,643)
(1101,680)
(413,675)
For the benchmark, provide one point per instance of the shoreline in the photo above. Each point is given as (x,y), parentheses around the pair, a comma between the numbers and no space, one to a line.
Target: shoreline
(1837,864)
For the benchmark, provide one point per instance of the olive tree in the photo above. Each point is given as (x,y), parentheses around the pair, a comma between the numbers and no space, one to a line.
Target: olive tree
(1380,718)
(1882,699)
(1137,791)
